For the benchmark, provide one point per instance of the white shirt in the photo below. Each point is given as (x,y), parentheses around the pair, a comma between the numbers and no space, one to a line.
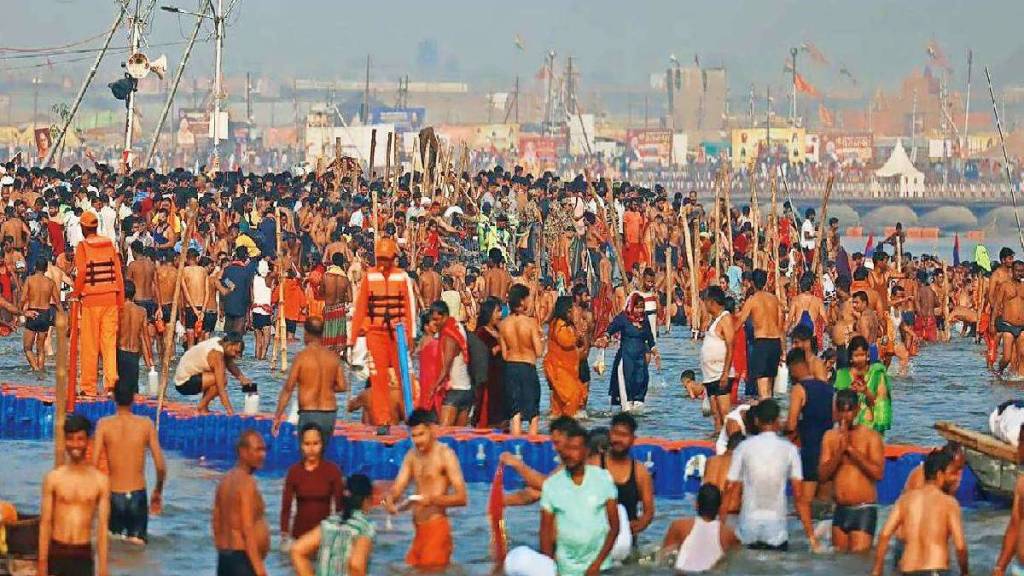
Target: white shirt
(73,229)
(107,223)
(807,229)
(764,463)
(357,219)
(734,415)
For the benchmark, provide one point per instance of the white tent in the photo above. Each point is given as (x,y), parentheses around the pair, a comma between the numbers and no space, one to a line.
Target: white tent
(899,166)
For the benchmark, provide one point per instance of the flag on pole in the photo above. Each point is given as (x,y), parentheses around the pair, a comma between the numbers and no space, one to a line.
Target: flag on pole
(956,249)
(869,246)
(816,55)
(937,56)
(496,512)
(825,116)
(805,86)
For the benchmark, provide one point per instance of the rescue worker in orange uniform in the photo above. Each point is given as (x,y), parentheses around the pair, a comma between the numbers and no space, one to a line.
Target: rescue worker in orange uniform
(385,299)
(99,285)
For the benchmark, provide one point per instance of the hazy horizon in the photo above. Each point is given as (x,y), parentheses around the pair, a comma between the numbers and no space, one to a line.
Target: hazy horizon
(614,43)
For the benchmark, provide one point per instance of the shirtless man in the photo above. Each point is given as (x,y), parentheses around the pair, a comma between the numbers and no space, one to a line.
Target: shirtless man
(805,307)
(195,288)
(15,229)
(866,321)
(213,288)
(926,302)
(142,272)
(337,297)
(240,530)
(879,276)
(1008,318)
(854,457)
(318,373)
(1011,555)
(926,519)
(434,468)
(1001,274)
(74,494)
(41,297)
(429,284)
(716,473)
(497,280)
(122,439)
(165,276)
(132,340)
(520,339)
(764,310)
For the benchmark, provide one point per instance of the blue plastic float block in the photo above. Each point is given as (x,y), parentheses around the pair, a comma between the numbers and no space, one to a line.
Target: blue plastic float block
(339,453)
(895,476)
(660,464)
(26,420)
(7,407)
(969,492)
(682,485)
(395,454)
(286,445)
(479,459)
(370,456)
(520,447)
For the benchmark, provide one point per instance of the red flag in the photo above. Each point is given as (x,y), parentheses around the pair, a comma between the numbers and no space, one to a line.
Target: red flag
(824,115)
(496,512)
(805,86)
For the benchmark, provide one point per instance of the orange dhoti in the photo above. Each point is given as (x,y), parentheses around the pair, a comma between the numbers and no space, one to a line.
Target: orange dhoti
(381,345)
(432,545)
(98,337)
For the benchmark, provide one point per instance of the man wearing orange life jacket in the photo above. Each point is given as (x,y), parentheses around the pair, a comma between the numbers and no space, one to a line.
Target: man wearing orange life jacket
(100,287)
(385,298)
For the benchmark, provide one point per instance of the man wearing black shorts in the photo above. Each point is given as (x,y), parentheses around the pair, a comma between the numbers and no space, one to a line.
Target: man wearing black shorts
(203,370)
(762,308)
(519,337)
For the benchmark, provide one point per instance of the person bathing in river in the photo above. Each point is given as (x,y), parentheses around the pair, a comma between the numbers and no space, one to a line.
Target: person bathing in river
(636,347)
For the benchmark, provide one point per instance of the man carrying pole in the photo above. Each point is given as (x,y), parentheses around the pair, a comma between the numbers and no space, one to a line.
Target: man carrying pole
(385,299)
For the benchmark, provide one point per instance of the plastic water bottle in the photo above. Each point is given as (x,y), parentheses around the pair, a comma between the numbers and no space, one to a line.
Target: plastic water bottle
(154,382)
(252,400)
(481,456)
(293,411)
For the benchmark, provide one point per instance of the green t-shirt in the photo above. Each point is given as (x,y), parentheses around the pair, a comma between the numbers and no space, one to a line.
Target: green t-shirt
(581,517)
(336,539)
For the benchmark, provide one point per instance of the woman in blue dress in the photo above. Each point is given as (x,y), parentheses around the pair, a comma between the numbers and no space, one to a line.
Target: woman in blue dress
(636,346)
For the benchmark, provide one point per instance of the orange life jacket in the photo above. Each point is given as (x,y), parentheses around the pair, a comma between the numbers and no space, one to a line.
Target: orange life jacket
(383,302)
(98,268)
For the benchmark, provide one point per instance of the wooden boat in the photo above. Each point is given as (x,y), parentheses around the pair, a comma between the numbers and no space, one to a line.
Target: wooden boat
(22,547)
(993,461)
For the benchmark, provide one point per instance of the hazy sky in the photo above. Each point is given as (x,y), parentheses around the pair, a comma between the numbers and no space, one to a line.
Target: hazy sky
(614,41)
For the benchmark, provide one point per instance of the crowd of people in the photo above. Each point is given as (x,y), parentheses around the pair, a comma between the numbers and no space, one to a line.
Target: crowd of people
(448,294)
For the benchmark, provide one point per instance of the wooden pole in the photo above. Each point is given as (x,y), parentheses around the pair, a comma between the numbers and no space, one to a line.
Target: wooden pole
(822,223)
(728,215)
(72,392)
(60,393)
(717,223)
(165,365)
(670,279)
(773,245)
(692,265)
(387,163)
(282,325)
(755,219)
(373,153)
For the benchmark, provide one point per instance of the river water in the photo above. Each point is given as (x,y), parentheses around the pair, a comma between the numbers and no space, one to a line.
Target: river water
(946,382)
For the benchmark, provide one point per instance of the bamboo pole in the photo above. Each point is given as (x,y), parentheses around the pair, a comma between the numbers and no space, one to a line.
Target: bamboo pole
(692,265)
(73,320)
(755,219)
(282,325)
(669,288)
(373,153)
(60,402)
(717,223)
(728,215)
(822,223)
(773,245)
(169,330)
(387,163)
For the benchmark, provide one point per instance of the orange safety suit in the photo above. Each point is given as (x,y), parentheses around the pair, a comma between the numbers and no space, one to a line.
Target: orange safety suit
(99,285)
(385,298)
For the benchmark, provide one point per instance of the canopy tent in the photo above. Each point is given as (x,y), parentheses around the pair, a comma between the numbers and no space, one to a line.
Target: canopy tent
(900,168)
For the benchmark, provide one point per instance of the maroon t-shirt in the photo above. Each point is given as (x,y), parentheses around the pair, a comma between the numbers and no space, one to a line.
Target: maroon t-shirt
(313,491)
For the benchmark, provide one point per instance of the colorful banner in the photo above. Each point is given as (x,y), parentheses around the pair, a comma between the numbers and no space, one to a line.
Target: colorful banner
(404,119)
(750,144)
(537,148)
(650,146)
(848,148)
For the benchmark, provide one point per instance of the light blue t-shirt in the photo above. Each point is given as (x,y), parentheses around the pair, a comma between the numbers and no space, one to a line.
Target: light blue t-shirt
(581,517)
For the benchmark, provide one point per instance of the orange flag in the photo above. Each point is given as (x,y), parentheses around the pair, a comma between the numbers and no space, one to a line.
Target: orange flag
(824,115)
(805,86)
